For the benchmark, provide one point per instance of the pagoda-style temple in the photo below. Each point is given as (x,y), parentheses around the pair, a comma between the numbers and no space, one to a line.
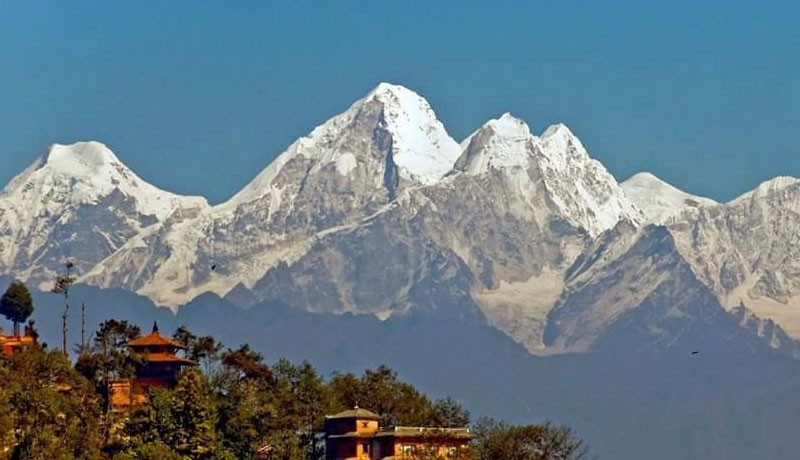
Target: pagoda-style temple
(161,366)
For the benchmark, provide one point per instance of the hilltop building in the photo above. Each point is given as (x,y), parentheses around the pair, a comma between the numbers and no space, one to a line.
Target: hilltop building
(161,367)
(13,343)
(357,435)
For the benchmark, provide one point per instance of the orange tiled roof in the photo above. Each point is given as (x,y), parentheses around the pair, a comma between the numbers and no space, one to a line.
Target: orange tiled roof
(155,339)
(166,358)
(16,340)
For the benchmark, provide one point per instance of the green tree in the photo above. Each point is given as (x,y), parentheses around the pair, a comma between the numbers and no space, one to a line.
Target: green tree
(16,304)
(247,364)
(302,401)
(203,349)
(449,413)
(109,358)
(248,401)
(51,409)
(497,440)
(180,420)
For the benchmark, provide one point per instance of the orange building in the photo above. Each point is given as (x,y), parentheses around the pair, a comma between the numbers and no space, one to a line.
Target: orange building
(356,435)
(13,343)
(161,367)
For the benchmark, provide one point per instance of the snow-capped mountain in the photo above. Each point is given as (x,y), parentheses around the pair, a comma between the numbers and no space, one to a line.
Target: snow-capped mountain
(581,185)
(350,167)
(747,251)
(378,211)
(81,202)
(658,200)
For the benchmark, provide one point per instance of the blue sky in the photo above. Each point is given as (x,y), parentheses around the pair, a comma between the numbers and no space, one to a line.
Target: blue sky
(197,97)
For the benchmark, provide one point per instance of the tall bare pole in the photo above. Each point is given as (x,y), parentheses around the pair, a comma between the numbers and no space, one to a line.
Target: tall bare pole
(62,287)
(83,326)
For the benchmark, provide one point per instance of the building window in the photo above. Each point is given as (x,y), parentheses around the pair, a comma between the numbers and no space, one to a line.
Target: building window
(365,448)
(408,450)
(452,451)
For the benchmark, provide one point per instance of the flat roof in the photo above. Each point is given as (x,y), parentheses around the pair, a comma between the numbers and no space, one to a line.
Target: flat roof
(424,431)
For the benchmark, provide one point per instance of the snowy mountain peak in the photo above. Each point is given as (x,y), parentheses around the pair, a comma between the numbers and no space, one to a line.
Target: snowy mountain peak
(767,188)
(84,173)
(510,127)
(500,143)
(80,158)
(421,147)
(585,193)
(396,93)
(390,118)
(558,141)
(658,200)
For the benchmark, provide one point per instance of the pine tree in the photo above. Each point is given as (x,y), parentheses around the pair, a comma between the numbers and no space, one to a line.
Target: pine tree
(16,304)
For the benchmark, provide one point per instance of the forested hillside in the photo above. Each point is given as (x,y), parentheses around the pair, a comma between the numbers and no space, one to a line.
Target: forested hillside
(227,407)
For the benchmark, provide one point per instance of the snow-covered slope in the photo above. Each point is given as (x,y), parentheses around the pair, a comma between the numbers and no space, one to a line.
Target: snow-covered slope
(398,121)
(501,143)
(347,169)
(578,189)
(378,211)
(581,186)
(747,251)
(766,189)
(78,201)
(658,200)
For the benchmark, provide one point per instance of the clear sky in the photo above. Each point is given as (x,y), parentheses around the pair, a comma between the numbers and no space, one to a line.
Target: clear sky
(197,97)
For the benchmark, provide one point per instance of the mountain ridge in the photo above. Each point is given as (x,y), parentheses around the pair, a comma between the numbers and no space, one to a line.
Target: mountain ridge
(379,211)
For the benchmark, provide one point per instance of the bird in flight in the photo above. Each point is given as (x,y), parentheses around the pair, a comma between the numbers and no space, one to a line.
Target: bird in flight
(695,352)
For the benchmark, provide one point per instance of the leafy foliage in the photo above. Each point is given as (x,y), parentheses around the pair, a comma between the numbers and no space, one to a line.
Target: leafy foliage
(108,358)
(16,304)
(497,440)
(47,410)
(236,406)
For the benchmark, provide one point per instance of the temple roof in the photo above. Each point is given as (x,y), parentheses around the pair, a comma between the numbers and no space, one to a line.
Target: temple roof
(356,412)
(155,339)
(167,358)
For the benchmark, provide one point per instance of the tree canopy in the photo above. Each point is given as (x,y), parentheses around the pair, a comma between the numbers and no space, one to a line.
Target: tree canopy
(16,304)
(225,409)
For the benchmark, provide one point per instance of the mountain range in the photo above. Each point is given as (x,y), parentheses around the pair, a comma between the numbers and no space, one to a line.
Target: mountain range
(379,211)
(510,269)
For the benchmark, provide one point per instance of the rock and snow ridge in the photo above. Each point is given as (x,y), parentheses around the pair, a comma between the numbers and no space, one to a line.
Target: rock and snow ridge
(580,189)
(82,173)
(767,188)
(581,186)
(658,200)
(421,148)
(78,201)
(387,151)
(505,142)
